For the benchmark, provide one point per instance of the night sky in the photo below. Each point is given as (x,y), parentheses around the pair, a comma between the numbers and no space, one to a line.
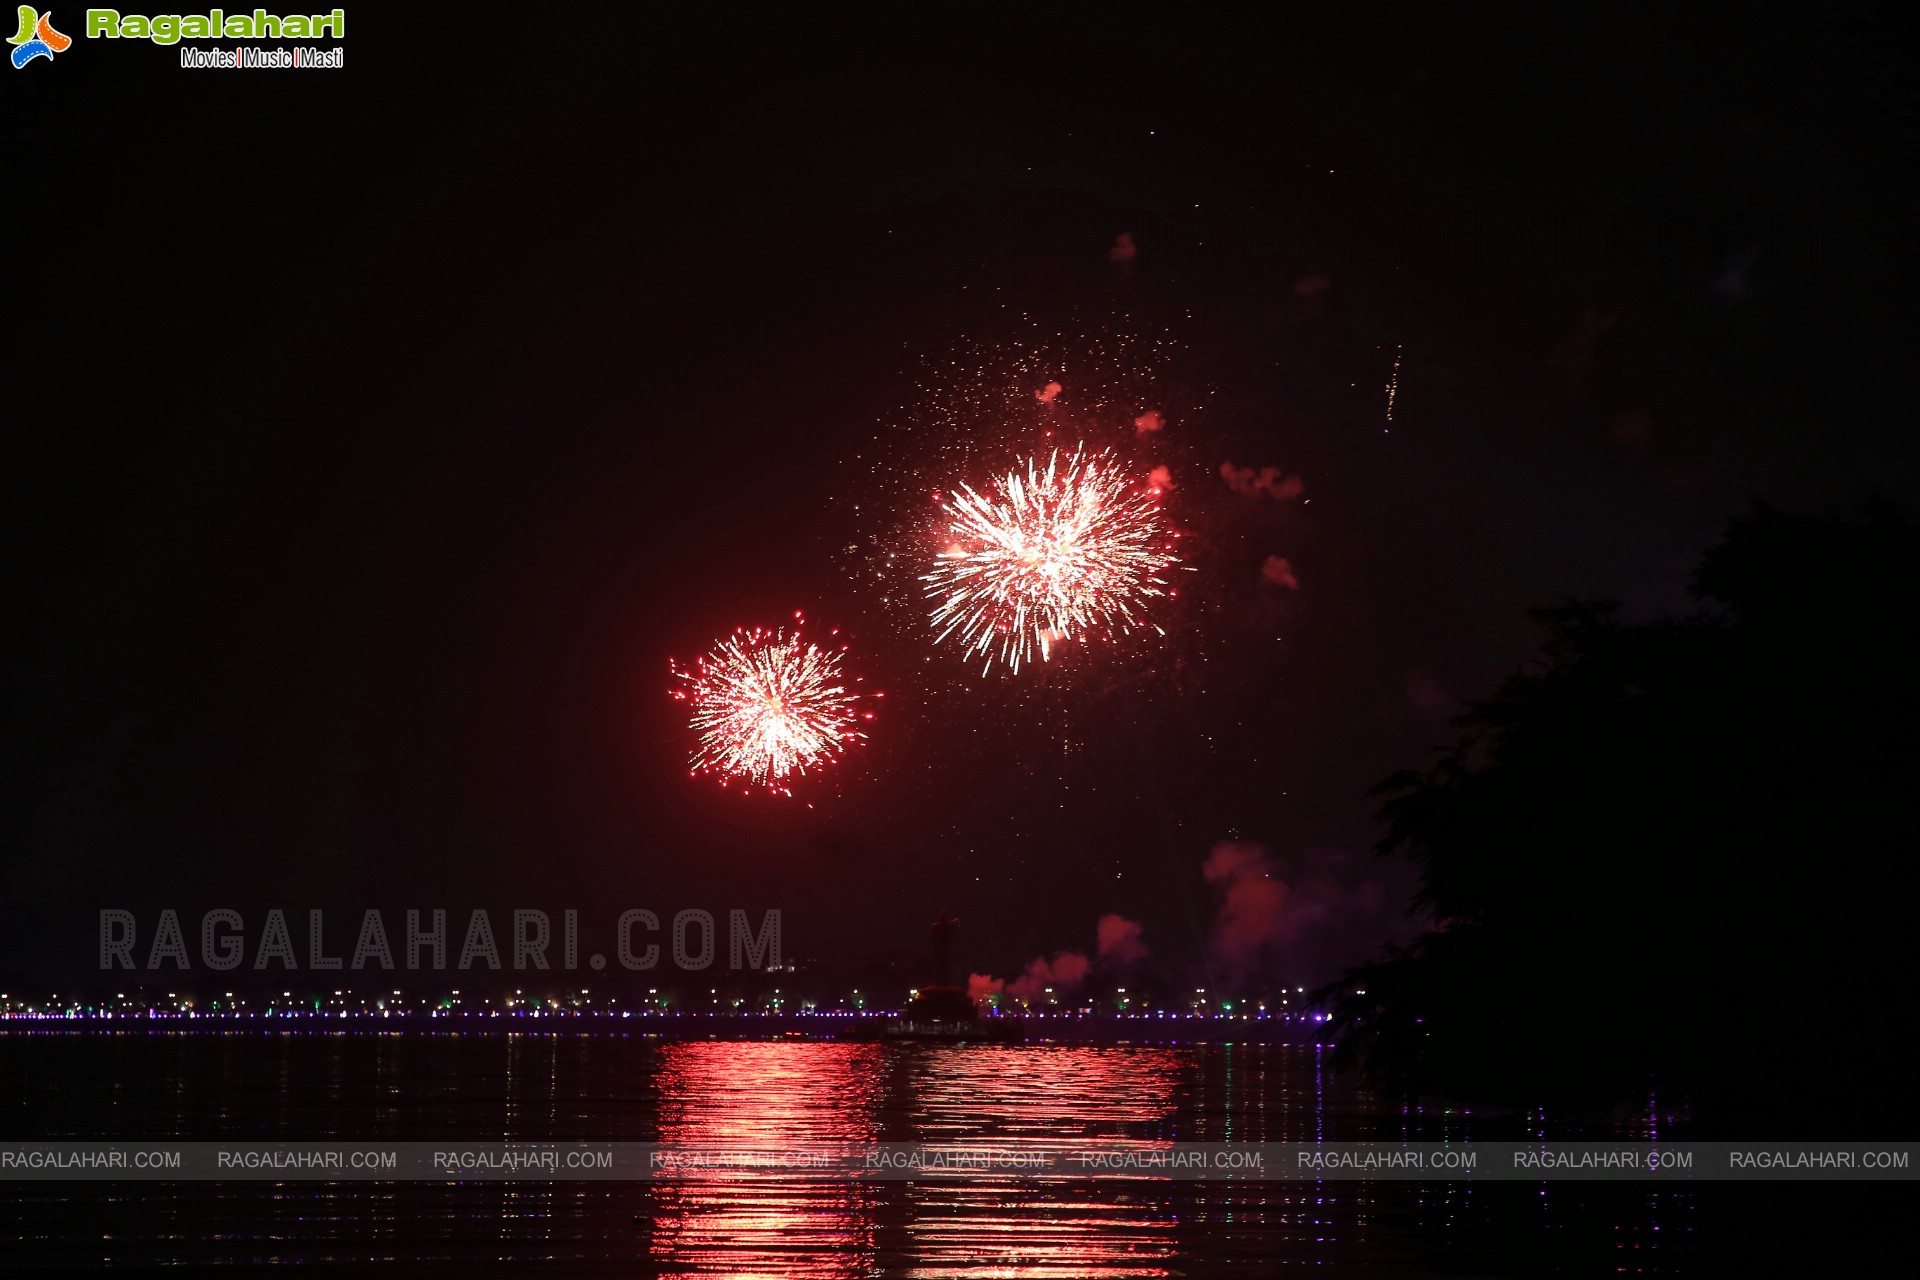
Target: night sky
(377,436)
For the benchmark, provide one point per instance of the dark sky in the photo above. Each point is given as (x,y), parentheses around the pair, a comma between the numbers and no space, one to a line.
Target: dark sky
(377,435)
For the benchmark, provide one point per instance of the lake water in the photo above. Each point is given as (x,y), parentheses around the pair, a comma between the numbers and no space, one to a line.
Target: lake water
(601,1087)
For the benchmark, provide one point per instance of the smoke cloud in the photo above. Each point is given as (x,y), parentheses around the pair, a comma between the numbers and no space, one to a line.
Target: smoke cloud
(1119,942)
(1429,697)
(1303,920)
(1248,483)
(1253,902)
(1123,248)
(1064,972)
(1280,573)
(1046,394)
(1149,422)
(1307,919)
(1159,480)
(1118,946)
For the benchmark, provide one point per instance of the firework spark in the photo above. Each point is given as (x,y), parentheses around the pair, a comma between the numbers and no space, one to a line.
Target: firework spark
(1071,548)
(1393,381)
(768,706)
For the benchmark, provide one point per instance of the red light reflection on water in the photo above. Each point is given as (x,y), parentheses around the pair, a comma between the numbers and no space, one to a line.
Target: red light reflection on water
(1053,1091)
(1032,1096)
(765,1095)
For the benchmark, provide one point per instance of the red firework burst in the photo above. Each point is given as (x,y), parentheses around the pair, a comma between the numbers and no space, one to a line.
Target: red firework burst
(768,706)
(1074,548)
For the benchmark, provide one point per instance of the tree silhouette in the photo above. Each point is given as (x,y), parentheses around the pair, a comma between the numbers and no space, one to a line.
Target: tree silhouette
(1676,857)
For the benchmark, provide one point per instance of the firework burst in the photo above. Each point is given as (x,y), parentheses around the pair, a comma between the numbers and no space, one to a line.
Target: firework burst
(768,706)
(1071,548)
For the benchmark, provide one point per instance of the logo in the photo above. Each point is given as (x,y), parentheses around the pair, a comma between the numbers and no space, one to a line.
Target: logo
(37,38)
(217,24)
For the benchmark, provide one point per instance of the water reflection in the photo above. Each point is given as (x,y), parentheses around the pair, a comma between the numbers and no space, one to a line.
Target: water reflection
(765,1095)
(1017,1097)
(1045,1091)
(532,1087)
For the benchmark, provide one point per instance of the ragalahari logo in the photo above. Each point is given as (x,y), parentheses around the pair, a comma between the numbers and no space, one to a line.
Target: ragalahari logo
(37,38)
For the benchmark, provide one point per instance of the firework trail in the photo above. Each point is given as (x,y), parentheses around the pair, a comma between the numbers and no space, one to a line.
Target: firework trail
(767,706)
(1074,548)
(1393,380)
